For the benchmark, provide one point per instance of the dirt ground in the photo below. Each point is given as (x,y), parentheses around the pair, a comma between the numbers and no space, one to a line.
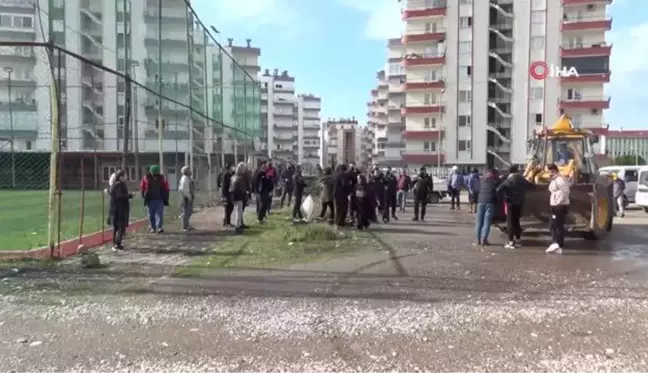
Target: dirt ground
(425,301)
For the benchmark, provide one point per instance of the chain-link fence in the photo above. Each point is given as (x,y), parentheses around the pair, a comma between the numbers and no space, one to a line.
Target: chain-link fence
(80,103)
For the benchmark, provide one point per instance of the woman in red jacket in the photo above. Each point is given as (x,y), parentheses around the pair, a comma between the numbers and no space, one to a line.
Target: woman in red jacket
(155,193)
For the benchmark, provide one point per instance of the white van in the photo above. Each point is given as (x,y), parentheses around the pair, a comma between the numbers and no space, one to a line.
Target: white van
(630,174)
(641,198)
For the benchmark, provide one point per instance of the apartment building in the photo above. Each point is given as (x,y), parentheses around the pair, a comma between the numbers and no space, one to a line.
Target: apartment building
(476,75)
(625,143)
(93,113)
(364,147)
(309,107)
(342,143)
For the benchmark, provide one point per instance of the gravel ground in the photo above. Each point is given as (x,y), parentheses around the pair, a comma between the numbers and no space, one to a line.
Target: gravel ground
(427,302)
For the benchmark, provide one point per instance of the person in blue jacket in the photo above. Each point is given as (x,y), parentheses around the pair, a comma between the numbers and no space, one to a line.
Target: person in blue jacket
(455,183)
(474,182)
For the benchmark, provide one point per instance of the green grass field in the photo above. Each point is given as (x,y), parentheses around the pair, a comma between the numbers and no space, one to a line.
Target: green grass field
(23,216)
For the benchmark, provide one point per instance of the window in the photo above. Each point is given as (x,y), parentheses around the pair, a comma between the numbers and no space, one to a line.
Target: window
(5,21)
(574,41)
(430,76)
(630,175)
(465,47)
(120,121)
(465,121)
(537,42)
(465,71)
(577,120)
(278,86)
(430,52)
(464,145)
(537,93)
(429,123)
(430,28)
(107,171)
(538,17)
(429,98)
(465,22)
(28,145)
(538,118)
(429,146)
(396,69)
(465,96)
(58,25)
(465,2)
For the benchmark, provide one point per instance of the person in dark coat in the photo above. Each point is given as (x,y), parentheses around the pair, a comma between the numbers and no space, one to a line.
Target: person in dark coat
(239,195)
(226,196)
(364,203)
(119,209)
(391,195)
(272,175)
(155,193)
(341,195)
(423,187)
(379,191)
(486,202)
(263,186)
(326,196)
(353,180)
(513,190)
(299,184)
(288,185)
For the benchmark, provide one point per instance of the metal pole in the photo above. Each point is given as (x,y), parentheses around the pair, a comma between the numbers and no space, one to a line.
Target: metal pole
(9,71)
(135,124)
(127,86)
(440,130)
(160,123)
(189,29)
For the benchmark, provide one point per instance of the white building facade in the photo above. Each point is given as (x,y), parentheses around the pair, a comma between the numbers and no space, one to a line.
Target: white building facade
(470,96)
(309,108)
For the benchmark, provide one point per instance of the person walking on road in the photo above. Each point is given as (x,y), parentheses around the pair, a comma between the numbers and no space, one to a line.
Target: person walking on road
(353,180)
(298,184)
(513,189)
(287,179)
(455,183)
(187,189)
(560,188)
(404,185)
(271,174)
(238,194)
(341,191)
(326,195)
(473,190)
(378,183)
(226,198)
(486,202)
(262,186)
(423,187)
(618,191)
(119,209)
(391,191)
(155,193)
(364,202)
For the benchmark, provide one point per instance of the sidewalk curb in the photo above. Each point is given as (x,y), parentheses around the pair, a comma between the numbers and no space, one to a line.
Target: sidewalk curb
(69,247)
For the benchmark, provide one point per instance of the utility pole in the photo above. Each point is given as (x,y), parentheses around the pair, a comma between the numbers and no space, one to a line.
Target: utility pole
(127,86)
(159,76)
(440,132)
(190,61)
(9,71)
(135,64)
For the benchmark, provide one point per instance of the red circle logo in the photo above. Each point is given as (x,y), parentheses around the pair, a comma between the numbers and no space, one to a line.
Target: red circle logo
(539,70)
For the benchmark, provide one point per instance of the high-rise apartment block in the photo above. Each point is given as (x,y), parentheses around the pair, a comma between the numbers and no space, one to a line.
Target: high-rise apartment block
(480,76)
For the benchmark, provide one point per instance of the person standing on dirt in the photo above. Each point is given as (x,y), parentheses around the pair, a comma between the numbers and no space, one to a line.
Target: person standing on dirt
(299,185)
(271,174)
(226,197)
(404,185)
(473,185)
(487,200)
(262,185)
(378,183)
(326,196)
(287,179)
(423,188)
(455,183)
(353,180)
(618,192)
(391,191)
(560,189)
(187,189)
(513,189)
(341,186)
(364,202)
(119,209)
(155,193)
(238,194)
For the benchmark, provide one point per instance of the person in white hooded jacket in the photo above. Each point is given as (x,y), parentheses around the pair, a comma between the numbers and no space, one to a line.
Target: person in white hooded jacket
(559,187)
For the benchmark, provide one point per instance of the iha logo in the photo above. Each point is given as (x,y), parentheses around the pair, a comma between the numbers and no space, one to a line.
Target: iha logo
(540,70)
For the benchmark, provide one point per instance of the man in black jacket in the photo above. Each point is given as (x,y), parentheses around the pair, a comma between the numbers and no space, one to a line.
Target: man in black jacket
(353,180)
(423,187)
(226,182)
(486,202)
(299,184)
(262,186)
(513,189)
(341,189)
(391,191)
(287,179)
(378,185)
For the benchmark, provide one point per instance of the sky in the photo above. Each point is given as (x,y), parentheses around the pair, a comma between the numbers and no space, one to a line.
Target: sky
(334,48)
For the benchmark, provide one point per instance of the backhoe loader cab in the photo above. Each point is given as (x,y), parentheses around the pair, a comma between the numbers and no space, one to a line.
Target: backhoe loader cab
(570,149)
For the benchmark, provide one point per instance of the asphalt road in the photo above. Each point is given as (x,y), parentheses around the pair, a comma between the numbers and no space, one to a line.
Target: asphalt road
(426,301)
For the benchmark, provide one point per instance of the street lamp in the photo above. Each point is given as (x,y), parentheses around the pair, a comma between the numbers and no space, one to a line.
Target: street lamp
(9,70)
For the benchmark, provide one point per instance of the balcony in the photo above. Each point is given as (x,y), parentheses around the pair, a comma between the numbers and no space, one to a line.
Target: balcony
(587,78)
(431,134)
(595,102)
(415,86)
(585,50)
(586,2)
(422,158)
(576,23)
(423,34)
(423,9)
(423,60)
(427,109)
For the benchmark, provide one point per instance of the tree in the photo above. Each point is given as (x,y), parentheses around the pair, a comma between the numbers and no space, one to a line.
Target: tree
(629,160)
